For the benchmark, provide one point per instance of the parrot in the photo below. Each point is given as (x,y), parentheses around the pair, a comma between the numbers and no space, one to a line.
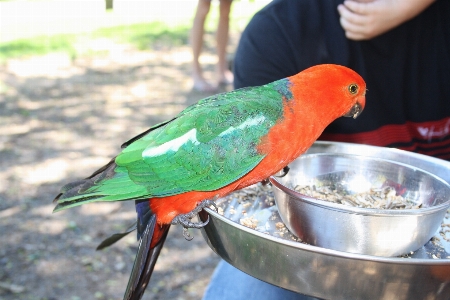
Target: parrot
(221,144)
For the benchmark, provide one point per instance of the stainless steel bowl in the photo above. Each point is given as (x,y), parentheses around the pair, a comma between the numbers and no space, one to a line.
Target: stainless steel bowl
(380,232)
(331,274)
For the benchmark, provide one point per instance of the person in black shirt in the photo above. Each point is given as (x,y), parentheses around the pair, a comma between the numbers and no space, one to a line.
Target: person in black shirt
(407,69)
(401,49)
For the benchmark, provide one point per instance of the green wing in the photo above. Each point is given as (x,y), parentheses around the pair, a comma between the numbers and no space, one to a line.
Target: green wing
(207,146)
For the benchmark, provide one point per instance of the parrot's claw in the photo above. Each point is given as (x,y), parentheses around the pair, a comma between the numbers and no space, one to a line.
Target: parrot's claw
(187,235)
(185,219)
(285,171)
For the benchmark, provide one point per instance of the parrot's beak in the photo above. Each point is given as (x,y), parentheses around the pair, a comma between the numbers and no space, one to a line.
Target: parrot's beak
(355,111)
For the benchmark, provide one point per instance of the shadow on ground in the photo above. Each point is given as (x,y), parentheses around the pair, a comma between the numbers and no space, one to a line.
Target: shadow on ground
(60,120)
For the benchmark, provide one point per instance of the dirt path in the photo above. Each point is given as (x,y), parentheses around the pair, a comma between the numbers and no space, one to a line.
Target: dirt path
(60,120)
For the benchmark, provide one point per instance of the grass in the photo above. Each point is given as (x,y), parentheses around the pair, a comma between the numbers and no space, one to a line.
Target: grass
(37,46)
(141,35)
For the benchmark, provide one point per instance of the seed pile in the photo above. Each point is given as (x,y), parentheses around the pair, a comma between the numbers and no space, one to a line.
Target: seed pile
(242,205)
(445,227)
(249,222)
(380,198)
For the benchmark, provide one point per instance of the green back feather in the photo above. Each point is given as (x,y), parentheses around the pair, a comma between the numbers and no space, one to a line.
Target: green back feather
(207,146)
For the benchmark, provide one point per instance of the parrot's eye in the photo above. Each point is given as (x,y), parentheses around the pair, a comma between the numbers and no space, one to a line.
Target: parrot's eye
(353,88)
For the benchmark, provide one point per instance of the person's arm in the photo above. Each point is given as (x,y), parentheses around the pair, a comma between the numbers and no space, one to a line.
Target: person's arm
(366,19)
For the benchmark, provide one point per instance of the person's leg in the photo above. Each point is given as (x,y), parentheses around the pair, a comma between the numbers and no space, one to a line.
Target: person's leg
(197,33)
(224,74)
(229,283)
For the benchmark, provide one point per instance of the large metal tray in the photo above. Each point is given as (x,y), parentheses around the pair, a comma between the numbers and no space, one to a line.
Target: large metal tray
(270,253)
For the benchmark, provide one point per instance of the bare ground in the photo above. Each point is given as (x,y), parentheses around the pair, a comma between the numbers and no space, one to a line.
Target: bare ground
(60,120)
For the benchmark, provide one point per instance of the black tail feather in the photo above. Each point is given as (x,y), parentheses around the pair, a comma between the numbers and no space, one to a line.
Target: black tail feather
(130,141)
(74,188)
(112,162)
(115,237)
(145,261)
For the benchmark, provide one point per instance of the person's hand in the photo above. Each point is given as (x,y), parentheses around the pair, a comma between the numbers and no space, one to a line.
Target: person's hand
(366,19)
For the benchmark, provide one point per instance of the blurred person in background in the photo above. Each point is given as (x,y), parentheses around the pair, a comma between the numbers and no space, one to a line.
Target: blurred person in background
(402,50)
(224,75)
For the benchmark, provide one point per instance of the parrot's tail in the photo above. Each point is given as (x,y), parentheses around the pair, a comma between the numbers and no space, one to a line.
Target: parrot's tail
(146,258)
(151,239)
(109,183)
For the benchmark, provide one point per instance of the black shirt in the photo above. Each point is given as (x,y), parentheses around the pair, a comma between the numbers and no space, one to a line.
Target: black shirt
(407,70)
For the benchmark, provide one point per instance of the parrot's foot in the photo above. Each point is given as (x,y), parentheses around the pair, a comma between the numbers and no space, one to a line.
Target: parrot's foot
(285,171)
(185,219)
